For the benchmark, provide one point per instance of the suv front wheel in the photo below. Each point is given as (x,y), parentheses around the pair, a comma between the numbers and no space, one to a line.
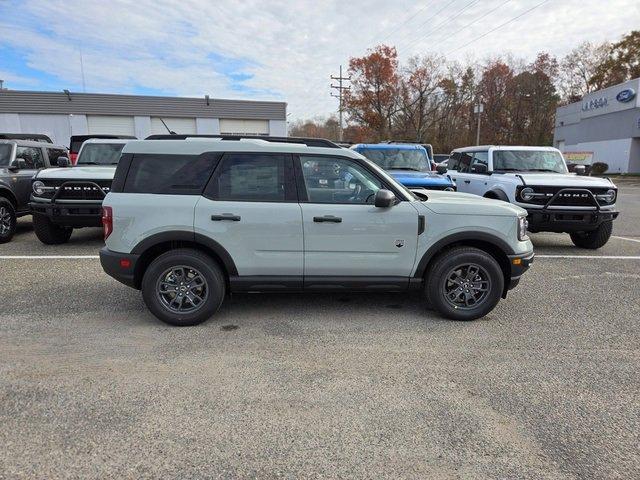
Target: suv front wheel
(48,232)
(183,287)
(594,239)
(464,283)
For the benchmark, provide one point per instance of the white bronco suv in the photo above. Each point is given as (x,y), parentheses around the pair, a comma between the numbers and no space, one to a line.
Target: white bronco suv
(71,197)
(537,179)
(189,220)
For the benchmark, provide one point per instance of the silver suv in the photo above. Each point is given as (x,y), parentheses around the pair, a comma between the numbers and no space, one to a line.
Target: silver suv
(189,220)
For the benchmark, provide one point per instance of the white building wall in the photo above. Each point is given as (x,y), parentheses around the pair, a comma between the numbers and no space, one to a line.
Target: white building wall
(10,123)
(142,127)
(278,128)
(207,126)
(78,124)
(615,153)
(57,127)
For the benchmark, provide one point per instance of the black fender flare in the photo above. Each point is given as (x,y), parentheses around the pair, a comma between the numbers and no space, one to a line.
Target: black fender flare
(470,238)
(8,194)
(187,236)
(498,193)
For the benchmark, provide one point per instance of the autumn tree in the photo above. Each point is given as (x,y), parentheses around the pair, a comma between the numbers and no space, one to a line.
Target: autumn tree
(622,62)
(577,70)
(373,98)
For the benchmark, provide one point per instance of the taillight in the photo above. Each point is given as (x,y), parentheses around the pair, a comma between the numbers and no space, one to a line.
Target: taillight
(73,157)
(107,221)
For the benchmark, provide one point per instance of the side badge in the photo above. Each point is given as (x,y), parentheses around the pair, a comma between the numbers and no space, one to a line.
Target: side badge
(399,243)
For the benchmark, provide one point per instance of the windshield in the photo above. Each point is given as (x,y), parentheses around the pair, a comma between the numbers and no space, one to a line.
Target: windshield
(397,158)
(528,161)
(5,154)
(100,154)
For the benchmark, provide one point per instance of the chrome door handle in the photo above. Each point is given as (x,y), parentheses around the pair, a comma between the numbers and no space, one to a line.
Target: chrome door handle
(225,216)
(467,181)
(327,218)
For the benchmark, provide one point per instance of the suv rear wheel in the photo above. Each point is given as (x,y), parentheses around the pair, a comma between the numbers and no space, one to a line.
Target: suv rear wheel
(48,232)
(593,239)
(7,220)
(183,287)
(464,283)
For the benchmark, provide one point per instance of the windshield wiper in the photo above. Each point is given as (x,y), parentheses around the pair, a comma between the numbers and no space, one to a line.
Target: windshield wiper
(541,170)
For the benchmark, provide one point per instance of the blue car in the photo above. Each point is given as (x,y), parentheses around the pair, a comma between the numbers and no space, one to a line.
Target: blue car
(407,163)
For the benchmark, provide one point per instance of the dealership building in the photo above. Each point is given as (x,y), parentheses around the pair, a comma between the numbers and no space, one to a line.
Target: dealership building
(62,114)
(603,127)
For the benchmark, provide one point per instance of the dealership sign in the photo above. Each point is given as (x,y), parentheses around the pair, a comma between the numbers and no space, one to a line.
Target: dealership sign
(585,158)
(625,96)
(594,104)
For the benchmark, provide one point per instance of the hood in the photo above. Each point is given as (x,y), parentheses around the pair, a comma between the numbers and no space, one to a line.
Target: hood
(561,180)
(90,172)
(455,203)
(411,178)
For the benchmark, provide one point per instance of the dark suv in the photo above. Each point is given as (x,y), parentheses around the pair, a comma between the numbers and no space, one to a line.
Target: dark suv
(20,160)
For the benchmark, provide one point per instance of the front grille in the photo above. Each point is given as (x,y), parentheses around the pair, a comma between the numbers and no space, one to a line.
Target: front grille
(77,189)
(568,198)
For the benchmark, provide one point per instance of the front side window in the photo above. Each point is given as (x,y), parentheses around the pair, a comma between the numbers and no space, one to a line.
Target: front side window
(32,157)
(250,177)
(398,158)
(5,154)
(169,174)
(100,154)
(528,161)
(54,153)
(338,180)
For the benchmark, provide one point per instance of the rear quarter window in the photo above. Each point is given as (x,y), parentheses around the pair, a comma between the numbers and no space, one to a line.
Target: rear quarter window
(169,174)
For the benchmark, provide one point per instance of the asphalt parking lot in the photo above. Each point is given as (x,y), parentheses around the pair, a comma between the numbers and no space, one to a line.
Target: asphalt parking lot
(333,386)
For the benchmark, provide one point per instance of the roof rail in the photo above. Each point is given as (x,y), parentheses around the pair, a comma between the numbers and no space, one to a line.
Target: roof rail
(309,142)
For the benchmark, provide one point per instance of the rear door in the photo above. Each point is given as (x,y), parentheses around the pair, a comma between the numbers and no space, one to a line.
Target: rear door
(250,208)
(34,161)
(345,235)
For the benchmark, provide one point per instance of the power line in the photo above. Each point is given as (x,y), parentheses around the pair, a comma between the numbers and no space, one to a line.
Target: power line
(404,23)
(477,19)
(496,28)
(445,22)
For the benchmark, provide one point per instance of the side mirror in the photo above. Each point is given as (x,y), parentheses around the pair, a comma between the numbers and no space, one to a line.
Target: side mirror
(580,169)
(63,162)
(441,169)
(18,164)
(384,198)
(479,168)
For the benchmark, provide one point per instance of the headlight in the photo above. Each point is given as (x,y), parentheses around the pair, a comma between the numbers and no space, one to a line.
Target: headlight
(608,197)
(38,187)
(523,224)
(526,194)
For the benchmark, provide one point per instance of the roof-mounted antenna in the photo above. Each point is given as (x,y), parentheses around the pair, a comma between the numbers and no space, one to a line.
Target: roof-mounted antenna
(168,130)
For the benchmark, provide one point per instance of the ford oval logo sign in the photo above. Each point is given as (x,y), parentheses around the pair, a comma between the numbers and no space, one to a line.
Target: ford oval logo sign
(626,96)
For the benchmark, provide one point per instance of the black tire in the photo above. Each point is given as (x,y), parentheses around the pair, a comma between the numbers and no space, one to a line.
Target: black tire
(444,267)
(593,239)
(157,300)
(48,232)
(7,220)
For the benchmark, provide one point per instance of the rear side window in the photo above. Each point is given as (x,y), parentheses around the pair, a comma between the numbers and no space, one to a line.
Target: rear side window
(170,174)
(251,177)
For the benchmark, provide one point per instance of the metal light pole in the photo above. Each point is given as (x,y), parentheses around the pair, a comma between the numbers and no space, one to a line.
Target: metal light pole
(478,109)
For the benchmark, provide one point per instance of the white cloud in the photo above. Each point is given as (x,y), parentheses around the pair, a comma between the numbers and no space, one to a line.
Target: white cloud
(288,48)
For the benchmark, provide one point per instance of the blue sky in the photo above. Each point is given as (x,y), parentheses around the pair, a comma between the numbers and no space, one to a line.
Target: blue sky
(271,50)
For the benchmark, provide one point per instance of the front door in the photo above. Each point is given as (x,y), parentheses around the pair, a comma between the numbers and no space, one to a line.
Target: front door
(33,158)
(345,235)
(250,208)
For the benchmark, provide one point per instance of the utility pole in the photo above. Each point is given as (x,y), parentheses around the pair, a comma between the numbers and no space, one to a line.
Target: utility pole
(340,89)
(478,109)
